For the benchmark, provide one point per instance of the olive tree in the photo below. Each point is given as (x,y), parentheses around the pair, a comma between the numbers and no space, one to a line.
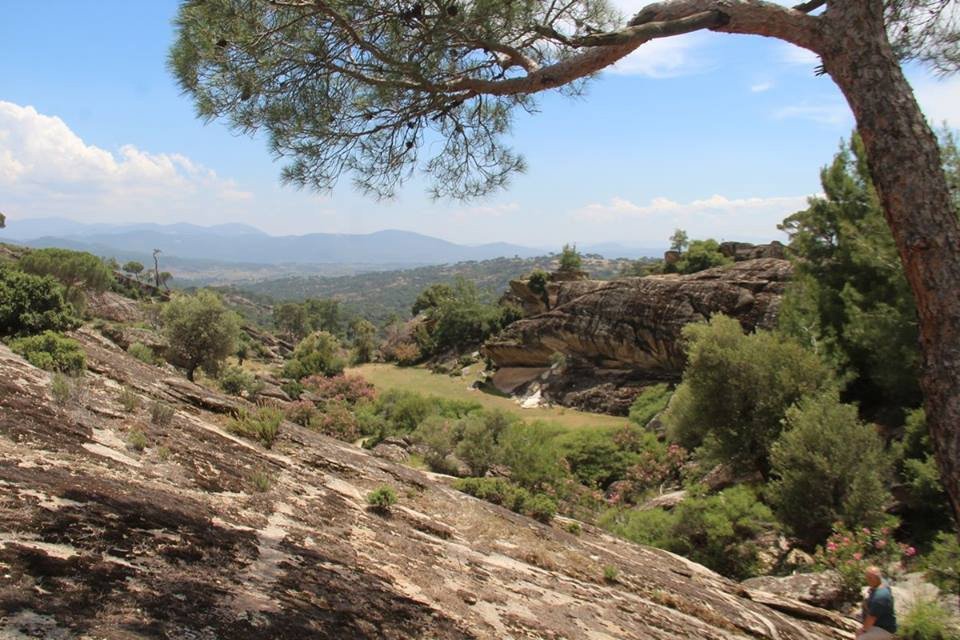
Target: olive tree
(201,332)
(360,86)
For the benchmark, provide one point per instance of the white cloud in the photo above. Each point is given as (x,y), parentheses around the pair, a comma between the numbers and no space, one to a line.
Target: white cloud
(665,58)
(760,87)
(794,55)
(719,217)
(487,211)
(940,100)
(716,205)
(832,113)
(46,168)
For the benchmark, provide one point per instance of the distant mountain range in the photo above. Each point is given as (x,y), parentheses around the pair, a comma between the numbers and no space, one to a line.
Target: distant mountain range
(238,243)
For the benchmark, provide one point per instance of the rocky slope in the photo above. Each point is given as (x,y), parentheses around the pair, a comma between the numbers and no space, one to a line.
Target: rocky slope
(619,335)
(98,540)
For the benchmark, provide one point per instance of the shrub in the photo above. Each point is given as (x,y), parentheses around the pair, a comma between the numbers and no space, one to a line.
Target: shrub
(479,439)
(927,620)
(142,352)
(32,304)
(850,551)
(292,388)
(540,507)
(942,565)
(237,382)
(261,482)
(317,353)
(438,436)
(161,413)
(495,490)
(201,332)
(538,283)
(532,454)
(262,425)
(716,531)
(829,467)
(60,389)
(573,527)
(700,255)
(594,456)
(302,412)
(736,389)
(337,421)
(129,400)
(651,401)
(610,573)
(570,259)
(382,498)
(350,389)
(51,351)
(137,440)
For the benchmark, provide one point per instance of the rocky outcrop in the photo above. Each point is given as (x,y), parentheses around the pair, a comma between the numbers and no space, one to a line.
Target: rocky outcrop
(626,332)
(202,534)
(740,251)
(824,589)
(114,307)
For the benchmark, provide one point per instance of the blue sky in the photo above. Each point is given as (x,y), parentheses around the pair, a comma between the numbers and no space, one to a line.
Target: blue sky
(721,135)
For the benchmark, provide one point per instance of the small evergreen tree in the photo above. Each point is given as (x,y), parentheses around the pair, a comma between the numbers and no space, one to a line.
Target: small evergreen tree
(364,340)
(570,259)
(318,353)
(133,268)
(828,467)
(679,240)
(32,304)
(736,390)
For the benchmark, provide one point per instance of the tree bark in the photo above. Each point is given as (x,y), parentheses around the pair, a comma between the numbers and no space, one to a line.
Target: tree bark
(905,164)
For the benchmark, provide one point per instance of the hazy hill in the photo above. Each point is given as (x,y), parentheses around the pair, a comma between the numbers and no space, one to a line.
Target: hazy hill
(238,244)
(378,295)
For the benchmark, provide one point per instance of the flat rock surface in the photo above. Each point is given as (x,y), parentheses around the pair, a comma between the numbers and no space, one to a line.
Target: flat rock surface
(98,540)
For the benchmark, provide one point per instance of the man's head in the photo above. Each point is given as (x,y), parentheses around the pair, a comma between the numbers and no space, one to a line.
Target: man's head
(873,577)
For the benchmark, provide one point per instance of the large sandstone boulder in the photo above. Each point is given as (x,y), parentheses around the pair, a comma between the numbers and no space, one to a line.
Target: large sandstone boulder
(626,333)
(203,534)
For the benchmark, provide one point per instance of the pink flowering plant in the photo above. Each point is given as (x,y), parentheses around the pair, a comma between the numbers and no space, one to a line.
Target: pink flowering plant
(850,551)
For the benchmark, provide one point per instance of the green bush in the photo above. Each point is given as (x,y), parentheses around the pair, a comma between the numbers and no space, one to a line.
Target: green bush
(828,467)
(142,352)
(261,482)
(532,454)
(318,353)
(716,531)
(237,382)
(137,440)
(927,620)
(942,565)
(438,435)
(480,437)
(700,255)
(595,457)
(161,413)
(610,573)
(129,400)
(570,259)
(31,304)
(540,507)
(651,401)
(736,390)
(382,498)
(494,490)
(60,389)
(51,351)
(262,425)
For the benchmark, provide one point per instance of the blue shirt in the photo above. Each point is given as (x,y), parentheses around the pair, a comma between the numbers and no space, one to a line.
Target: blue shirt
(880,605)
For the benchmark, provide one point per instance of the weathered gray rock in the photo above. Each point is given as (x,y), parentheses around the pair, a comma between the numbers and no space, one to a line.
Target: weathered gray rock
(114,307)
(823,589)
(98,540)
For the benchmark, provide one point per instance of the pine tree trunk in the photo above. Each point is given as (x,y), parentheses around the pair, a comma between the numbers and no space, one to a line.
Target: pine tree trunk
(905,164)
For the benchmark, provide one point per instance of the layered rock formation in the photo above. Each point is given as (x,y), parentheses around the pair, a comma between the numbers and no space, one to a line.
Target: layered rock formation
(206,535)
(624,333)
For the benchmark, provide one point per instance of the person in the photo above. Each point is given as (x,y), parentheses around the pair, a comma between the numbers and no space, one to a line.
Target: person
(879,619)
